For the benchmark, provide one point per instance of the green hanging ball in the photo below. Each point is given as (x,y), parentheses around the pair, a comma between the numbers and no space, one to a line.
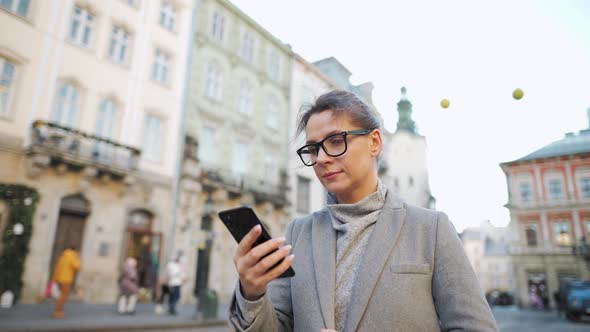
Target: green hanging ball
(517,94)
(445,103)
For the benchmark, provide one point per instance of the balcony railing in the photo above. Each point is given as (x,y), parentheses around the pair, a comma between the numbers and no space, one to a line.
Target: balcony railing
(263,189)
(80,149)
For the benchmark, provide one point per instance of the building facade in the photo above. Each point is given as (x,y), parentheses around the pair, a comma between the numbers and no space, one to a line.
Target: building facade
(239,106)
(549,203)
(306,192)
(488,250)
(91,105)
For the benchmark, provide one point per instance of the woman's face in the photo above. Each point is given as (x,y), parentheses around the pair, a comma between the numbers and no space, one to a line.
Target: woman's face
(351,176)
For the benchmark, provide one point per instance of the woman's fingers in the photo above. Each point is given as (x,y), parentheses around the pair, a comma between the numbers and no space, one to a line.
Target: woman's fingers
(246,244)
(269,261)
(260,251)
(280,269)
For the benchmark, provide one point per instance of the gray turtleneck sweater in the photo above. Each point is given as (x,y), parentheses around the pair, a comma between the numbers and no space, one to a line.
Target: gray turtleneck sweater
(354,224)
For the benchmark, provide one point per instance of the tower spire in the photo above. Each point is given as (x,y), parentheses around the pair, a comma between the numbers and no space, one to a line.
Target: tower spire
(404,110)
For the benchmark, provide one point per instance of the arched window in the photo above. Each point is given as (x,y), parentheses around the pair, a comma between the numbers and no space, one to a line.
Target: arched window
(272,117)
(214,82)
(245,101)
(67,105)
(107,119)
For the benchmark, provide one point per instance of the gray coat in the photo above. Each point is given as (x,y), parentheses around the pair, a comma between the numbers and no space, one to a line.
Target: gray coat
(414,276)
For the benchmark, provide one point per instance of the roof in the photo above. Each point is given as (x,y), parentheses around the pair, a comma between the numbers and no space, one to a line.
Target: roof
(571,144)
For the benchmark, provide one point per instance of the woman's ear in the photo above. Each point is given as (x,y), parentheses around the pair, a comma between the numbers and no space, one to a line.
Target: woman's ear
(376,142)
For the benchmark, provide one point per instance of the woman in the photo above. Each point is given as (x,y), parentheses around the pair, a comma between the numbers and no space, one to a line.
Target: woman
(66,268)
(366,262)
(128,287)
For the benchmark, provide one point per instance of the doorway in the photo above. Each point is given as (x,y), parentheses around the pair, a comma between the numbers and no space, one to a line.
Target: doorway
(71,223)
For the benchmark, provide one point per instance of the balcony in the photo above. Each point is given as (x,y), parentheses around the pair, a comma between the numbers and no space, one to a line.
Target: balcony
(54,145)
(262,189)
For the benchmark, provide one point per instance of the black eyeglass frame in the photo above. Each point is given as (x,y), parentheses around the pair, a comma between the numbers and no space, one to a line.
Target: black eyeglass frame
(321,144)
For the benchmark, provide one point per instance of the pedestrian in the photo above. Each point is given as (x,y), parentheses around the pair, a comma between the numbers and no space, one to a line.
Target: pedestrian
(64,274)
(176,277)
(128,287)
(365,262)
(163,295)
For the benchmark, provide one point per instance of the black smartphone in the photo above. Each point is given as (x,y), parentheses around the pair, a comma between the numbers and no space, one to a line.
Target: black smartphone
(240,221)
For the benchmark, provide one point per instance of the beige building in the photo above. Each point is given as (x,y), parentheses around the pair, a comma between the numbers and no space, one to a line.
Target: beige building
(238,115)
(306,192)
(90,114)
(488,250)
(549,203)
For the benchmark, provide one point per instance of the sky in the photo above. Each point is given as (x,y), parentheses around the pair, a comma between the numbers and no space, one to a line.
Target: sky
(473,53)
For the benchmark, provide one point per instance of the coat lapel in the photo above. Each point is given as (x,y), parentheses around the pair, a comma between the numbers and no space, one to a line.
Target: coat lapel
(324,261)
(376,255)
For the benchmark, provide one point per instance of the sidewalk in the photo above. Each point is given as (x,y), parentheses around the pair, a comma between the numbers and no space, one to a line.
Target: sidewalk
(100,317)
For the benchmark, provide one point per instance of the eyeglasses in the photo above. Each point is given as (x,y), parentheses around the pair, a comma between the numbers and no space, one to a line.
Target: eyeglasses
(334,145)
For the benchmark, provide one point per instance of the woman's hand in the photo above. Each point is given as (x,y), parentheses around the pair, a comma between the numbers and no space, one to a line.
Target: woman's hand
(253,267)
(327,330)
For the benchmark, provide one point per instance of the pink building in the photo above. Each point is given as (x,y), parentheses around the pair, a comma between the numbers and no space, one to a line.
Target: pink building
(549,203)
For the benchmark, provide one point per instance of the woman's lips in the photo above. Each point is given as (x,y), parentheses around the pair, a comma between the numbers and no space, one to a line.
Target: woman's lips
(330,175)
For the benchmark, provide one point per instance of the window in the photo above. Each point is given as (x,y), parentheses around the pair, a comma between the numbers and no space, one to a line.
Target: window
(119,45)
(213,85)
(107,119)
(272,118)
(585,187)
(152,142)
(273,65)
(303,194)
(217,26)
(530,232)
(411,181)
(247,50)
(207,145)
(240,157)
(245,100)
(7,77)
(161,66)
(270,169)
(555,191)
(561,233)
(67,105)
(81,27)
(526,192)
(168,15)
(19,7)
(132,3)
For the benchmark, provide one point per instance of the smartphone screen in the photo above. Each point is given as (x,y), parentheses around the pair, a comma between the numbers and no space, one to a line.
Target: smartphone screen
(240,221)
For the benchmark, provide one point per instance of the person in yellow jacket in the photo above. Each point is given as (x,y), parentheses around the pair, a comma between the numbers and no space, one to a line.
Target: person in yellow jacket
(65,270)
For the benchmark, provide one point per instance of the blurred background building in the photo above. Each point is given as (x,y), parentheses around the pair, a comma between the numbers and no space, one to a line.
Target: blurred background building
(488,250)
(239,108)
(404,168)
(549,203)
(91,106)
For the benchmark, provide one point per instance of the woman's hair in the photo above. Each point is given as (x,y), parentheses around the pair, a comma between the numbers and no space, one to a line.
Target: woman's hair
(340,102)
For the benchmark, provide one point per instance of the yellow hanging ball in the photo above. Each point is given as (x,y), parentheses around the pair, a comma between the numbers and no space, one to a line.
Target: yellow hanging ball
(445,103)
(517,94)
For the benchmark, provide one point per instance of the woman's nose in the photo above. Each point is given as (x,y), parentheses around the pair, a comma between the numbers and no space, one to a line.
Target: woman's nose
(322,156)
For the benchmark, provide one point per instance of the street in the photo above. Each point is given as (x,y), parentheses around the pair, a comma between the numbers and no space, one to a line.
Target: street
(509,319)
